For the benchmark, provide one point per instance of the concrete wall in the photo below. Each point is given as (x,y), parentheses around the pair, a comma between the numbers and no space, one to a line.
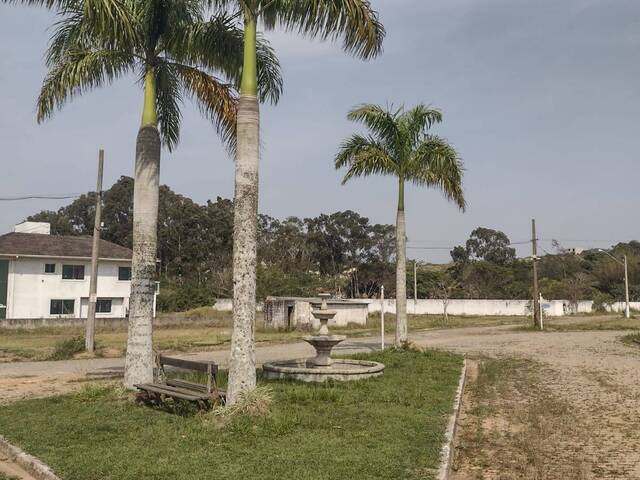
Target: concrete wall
(552,308)
(30,290)
(455,307)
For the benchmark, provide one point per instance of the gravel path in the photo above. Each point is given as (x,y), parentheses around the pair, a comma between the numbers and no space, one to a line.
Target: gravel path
(592,371)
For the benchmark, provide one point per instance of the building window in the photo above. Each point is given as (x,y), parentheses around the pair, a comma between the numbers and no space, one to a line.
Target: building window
(62,307)
(124,273)
(49,268)
(73,272)
(103,305)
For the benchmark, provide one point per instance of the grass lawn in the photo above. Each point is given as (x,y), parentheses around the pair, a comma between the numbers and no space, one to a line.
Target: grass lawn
(43,344)
(389,427)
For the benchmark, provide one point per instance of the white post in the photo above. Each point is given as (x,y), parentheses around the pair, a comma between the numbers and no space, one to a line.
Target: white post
(382,317)
(540,303)
(627,312)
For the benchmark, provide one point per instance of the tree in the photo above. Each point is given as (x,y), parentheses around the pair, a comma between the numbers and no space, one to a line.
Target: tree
(399,145)
(175,52)
(357,24)
(490,245)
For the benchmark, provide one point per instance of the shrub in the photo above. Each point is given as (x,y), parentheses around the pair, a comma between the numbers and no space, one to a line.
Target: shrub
(66,349)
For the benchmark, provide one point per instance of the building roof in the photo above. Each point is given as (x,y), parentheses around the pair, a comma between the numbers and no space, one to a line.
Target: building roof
(41,245)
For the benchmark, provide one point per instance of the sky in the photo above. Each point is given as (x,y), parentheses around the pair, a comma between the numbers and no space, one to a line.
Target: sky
(541,100)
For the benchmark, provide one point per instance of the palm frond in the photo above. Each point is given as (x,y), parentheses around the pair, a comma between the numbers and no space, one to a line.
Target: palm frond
(81,71)
(436,163)
(382,123)
(416,122)
(216,100)
(364,156)
(168,101)
(352,21)
(218,45)
(50,4)
(82,27)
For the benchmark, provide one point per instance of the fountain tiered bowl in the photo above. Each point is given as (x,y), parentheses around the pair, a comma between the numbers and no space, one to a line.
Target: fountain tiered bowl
(322,367)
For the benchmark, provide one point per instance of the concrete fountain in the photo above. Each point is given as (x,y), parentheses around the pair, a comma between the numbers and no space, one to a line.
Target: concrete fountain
(322,367)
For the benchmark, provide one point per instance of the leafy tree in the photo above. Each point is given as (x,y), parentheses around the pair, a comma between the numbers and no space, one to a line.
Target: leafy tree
(399,145)
(357,24)
(177,52)
(490,245)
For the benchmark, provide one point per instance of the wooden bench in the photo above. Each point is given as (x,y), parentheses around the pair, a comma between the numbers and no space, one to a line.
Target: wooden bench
(183,389)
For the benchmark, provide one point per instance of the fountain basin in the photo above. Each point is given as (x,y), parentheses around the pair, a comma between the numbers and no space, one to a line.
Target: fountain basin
(323,345)
(341,369)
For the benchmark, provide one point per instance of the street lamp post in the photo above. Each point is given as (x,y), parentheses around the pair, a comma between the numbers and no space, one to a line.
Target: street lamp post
(627,310)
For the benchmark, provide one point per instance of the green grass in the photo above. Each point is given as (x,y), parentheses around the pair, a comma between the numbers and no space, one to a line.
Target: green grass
(389,427)
(46,343)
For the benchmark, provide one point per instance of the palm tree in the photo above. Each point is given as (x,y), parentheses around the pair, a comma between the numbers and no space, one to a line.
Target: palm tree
(357,25)
(176,52)
(399,145)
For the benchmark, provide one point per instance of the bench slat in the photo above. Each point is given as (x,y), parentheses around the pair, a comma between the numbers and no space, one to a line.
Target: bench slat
(172,391)
(175,382)
(189,364)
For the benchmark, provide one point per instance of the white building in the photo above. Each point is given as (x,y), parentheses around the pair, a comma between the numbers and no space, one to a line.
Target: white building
(47,276)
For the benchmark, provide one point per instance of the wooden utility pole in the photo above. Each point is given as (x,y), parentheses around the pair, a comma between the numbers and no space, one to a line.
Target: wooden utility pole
(95,252)
(536,294)
(415,285)
(627,312)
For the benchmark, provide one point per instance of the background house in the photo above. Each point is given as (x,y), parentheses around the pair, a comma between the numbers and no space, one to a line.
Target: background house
(47,276)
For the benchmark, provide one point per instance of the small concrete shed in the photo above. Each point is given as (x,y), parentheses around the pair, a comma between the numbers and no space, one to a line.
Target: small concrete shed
(295,312)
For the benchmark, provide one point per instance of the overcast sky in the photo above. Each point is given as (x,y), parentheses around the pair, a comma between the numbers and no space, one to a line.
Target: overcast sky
(540,98)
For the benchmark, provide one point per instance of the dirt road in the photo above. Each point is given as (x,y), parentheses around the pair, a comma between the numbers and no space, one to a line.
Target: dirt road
(573,414)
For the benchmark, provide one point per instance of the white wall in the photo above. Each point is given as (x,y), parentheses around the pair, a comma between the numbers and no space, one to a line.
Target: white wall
(30,290)
(552,308)
(455,307)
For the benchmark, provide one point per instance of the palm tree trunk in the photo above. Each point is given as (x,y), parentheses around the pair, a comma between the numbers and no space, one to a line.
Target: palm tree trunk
(242,364)
(139,359)
(401,270)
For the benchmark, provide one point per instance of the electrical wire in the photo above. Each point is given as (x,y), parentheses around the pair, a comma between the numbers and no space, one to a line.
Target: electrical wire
(42,196)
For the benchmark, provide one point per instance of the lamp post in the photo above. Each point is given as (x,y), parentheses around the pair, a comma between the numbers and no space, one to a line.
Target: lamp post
(627,312)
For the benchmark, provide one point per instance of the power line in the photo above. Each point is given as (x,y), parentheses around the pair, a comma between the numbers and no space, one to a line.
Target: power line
(45,196)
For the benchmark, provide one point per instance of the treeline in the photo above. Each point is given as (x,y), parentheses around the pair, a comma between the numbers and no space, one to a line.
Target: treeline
(486,267)
(342,252)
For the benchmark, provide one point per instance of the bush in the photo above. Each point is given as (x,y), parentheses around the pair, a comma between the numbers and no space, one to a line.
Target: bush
(66,349)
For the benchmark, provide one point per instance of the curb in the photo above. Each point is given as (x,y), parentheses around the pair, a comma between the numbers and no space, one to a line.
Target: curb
(31,464)
(446,453)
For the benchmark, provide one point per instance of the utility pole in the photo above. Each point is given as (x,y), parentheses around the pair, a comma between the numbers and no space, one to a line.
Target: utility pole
(415,285)
(536,294)
(95,252)
(627,309)
(627,312)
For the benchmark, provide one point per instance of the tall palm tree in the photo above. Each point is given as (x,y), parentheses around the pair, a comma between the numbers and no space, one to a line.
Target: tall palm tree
(176,52)
(399,145)
(353,21)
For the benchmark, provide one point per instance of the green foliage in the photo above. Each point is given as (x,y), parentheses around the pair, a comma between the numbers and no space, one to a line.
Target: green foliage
(67,348)
(187,52)
(385,428)
(399,145)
